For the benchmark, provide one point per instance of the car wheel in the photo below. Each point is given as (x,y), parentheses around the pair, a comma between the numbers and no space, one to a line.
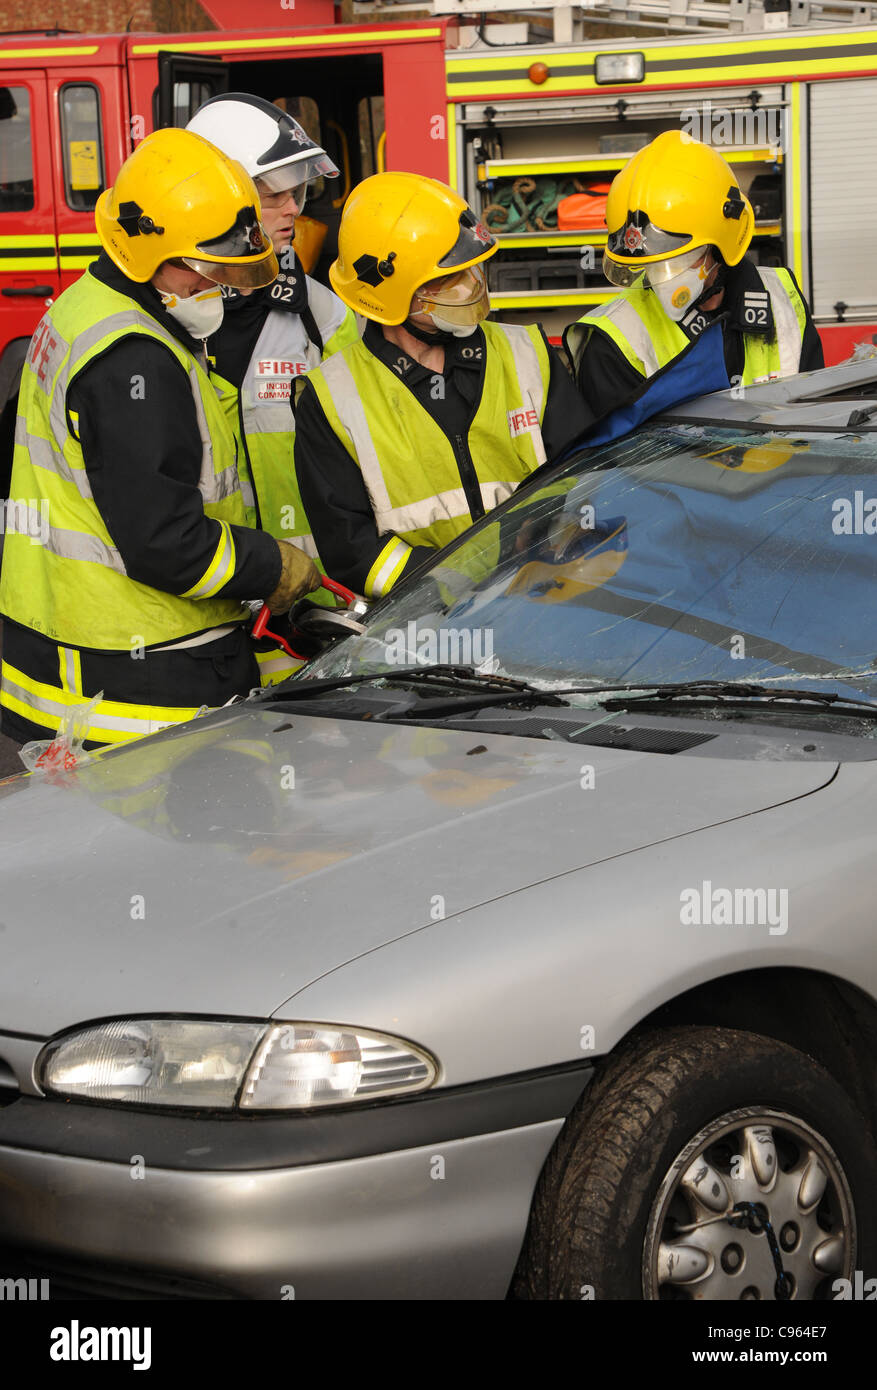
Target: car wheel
(704,1163)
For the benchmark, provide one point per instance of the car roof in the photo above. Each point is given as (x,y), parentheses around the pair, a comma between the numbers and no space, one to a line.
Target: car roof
(825,399)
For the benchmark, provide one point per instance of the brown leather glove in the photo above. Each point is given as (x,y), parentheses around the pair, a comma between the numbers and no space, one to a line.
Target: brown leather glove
(298,576)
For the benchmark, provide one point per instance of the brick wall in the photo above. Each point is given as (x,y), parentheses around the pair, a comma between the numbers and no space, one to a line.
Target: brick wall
(105,16)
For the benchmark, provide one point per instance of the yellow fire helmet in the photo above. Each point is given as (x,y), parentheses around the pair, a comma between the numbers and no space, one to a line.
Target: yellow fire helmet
(673,197)
(179,197)
(399,232)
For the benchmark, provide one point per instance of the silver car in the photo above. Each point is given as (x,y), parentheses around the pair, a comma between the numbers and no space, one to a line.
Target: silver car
(524,945)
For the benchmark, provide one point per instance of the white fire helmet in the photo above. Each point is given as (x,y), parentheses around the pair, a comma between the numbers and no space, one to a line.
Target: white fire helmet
(269,144)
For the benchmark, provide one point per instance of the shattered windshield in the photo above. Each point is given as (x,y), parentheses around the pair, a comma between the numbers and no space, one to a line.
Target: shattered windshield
(683,553)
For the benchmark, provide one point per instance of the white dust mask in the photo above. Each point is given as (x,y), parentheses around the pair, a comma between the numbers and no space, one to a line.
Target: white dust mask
(200,314)
(459,330)
(679,293)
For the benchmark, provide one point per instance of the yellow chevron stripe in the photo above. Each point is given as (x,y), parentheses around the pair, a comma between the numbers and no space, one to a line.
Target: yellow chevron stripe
(78,239)
(796,182)
(17,241)
(452,144)
(9,54)
(785,42)
(700,63)
(10,264)
(290,41)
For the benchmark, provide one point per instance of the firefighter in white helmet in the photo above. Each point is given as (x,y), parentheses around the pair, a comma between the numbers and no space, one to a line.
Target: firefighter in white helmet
(278,332)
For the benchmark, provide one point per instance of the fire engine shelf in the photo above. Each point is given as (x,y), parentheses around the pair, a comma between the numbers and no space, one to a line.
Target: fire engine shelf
(591,164)
(550,270)
(547,299)
(523,241)
(553,268)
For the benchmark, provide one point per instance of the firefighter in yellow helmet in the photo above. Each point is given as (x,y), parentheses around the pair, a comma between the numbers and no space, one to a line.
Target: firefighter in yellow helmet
(405,438)
(679,227)
(129,557)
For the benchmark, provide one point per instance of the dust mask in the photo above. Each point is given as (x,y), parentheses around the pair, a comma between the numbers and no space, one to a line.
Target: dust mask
(680,283)
(457,330)
(200,314)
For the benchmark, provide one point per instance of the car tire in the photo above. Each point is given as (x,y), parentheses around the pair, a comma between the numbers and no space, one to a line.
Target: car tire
(651,1148)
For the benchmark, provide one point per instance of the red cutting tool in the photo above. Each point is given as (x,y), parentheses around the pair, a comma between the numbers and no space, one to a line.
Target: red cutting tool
(260,628)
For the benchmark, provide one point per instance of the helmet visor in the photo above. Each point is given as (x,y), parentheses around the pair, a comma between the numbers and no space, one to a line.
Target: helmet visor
(461,299)
(239,275)
(626,273)
(660,272)
(298,171)
(298,192)
(474,243)
(623,274)
(640,239)
(241,256)
(245,237)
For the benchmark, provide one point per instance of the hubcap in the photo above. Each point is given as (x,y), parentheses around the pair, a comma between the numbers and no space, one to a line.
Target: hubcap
(779,1170)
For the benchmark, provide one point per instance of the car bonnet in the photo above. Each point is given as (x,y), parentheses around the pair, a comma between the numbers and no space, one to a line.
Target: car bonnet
(221,867)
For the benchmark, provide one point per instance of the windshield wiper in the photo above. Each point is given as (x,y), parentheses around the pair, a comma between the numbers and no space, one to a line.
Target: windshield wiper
(722,691)
(469,689)
(860,416)
(462,678)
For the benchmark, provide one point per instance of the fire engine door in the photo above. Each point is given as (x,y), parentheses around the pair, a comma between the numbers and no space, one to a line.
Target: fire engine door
(184,84)
(29,275)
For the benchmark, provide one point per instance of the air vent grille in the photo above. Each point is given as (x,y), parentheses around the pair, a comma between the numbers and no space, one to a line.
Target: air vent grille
(631,739)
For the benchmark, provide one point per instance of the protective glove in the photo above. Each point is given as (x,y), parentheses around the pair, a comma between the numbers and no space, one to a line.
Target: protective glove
(298,576)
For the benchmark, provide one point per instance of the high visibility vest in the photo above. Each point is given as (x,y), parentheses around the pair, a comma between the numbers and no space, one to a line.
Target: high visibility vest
(408,463)
(648,339)
(62,575)
(262,413)
(282,353)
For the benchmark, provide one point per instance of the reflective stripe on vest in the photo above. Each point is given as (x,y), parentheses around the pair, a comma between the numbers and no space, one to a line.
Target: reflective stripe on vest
(111,721)
(649,340)
(24,520)
(44,456)
(373,413)
(789,317)
(62,574)
(628,330)
(387,567)
(275,665)
(281,354)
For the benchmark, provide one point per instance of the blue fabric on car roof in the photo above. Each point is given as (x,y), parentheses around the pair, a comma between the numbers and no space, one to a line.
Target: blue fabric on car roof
(697,371)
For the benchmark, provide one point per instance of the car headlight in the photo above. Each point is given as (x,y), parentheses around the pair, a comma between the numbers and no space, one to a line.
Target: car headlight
(215,1065)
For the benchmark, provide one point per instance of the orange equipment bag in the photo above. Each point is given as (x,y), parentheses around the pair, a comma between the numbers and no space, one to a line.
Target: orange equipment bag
(583,211)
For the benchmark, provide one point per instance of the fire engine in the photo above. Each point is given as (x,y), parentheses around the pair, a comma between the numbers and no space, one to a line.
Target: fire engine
(530,133)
